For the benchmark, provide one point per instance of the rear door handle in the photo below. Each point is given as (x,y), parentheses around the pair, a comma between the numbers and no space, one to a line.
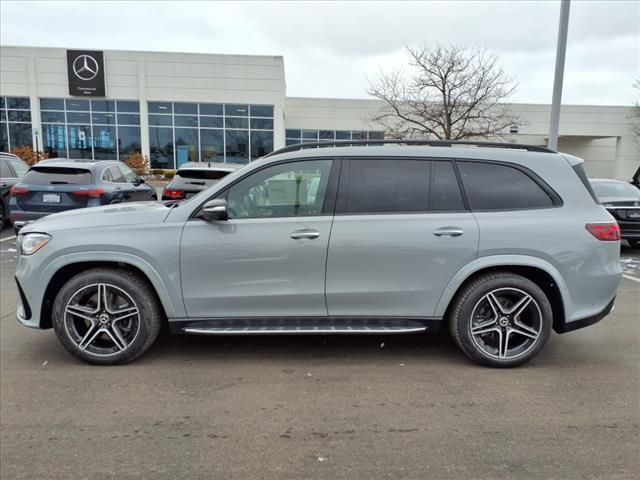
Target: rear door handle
(448,232)
(304,233)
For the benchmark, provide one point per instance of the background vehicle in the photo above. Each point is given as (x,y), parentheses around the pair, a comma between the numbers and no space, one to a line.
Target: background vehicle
(622,200)
(193,177)
(12,169)
(500,242)
(57,185)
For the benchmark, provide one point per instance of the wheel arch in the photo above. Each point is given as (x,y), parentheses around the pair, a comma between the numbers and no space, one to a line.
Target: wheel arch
(67,270)
(538,271)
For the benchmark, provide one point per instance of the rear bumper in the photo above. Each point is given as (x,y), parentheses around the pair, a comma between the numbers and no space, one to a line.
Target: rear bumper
(20,217)
(585,322)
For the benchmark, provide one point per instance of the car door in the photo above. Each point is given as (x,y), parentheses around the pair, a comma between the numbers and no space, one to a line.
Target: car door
(400,233)
(269,257)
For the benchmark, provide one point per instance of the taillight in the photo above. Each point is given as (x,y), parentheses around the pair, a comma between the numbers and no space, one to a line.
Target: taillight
(173,193)
(607,232)
(91,193)
(17,191)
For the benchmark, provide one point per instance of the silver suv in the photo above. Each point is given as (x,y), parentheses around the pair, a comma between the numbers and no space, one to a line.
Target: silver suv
(501,243)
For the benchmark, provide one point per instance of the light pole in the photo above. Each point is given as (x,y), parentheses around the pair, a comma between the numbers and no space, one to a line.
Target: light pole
(559,76)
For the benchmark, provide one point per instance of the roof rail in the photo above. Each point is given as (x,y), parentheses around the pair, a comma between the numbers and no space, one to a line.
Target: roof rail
(430,143)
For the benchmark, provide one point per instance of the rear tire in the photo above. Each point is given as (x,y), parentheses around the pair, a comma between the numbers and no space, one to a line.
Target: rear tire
(106,316)
(3,217)
(501,319)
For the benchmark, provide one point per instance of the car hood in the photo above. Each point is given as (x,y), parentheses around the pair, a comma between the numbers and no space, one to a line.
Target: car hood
(109,215)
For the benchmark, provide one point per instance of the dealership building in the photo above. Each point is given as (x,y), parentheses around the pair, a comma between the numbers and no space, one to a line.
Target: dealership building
(178,107)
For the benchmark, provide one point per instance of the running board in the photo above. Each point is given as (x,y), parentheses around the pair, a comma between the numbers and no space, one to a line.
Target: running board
(303,326)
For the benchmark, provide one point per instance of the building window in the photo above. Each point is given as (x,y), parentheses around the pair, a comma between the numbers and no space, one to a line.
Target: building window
(93,129)
(295,136)
(182,132)
(15,123)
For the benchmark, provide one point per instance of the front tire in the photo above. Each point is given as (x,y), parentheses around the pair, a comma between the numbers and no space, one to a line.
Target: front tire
(501,319)
(106,316)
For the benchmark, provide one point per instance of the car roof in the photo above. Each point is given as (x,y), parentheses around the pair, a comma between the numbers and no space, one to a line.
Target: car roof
(453,151)
(227,167)
(73,163)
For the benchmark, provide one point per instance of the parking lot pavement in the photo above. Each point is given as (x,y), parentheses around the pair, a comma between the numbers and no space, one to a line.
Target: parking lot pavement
(321,407)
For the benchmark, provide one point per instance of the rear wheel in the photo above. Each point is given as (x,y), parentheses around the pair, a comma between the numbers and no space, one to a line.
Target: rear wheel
(106,316)
(3,218)
(501,320)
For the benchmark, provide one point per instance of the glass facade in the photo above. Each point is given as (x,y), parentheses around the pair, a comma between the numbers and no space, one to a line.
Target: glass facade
(294,136)
(94,129)
(15,123)
(182,132)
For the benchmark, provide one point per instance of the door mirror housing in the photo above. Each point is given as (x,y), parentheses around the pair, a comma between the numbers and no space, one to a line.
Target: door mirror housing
(138,181)
(215,209)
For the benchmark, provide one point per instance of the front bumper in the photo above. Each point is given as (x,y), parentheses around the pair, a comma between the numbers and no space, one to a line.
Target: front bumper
(585,322)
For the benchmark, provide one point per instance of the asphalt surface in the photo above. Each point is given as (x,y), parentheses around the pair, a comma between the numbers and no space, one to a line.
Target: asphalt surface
(406,407)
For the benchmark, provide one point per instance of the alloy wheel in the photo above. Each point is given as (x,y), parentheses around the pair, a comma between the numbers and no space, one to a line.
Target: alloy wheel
(101,319)
(506,323)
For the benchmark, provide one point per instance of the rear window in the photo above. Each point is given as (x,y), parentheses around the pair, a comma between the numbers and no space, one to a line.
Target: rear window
(202,174)
(490,186)
(57,176)
(615,189)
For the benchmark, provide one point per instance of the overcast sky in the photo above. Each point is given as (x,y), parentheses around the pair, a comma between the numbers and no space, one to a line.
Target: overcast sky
(330,48)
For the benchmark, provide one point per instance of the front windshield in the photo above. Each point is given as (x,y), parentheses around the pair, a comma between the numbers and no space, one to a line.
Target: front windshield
(615,189)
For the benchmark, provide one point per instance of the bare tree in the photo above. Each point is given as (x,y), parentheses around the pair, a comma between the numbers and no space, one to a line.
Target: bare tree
(447,92)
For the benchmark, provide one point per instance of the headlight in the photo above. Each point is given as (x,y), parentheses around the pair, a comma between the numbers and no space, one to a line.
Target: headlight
(32,242)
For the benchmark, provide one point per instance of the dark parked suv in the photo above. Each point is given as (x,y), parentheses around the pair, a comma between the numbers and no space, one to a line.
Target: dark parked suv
(12,169)
(193,177)
(57,185)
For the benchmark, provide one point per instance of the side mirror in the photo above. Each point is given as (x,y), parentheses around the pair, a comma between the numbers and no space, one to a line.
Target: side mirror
(138,181)
(215,209)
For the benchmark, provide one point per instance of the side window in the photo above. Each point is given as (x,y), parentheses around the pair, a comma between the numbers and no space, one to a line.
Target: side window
(498,187)
(286,190)
(106,175)
(5,171)
(386,186)
(445,189)
(128,174)
(116,175)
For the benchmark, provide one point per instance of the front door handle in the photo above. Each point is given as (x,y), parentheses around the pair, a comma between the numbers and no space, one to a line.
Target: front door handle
(448,232)
(304,233)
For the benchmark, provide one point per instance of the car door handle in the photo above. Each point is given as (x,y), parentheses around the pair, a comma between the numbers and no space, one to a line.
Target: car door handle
(306,233)
(448,232)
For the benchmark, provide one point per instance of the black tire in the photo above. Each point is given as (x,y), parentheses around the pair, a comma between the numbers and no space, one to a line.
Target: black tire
(634,243)
(140,329)
(472,302)
(3,216)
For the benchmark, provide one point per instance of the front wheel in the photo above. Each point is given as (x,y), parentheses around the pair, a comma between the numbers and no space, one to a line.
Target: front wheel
(501,319)
(106,316)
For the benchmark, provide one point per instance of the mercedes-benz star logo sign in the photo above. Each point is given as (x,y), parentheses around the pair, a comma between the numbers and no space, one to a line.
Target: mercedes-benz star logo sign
(85,67)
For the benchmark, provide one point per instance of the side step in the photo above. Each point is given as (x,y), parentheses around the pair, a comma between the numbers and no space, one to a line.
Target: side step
(303,326)
(299,330)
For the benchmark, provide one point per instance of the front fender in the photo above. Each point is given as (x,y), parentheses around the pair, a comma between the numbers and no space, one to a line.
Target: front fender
(169,295)
(493,261)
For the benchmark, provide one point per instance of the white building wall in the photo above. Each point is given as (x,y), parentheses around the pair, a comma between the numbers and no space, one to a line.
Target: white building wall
(598,134)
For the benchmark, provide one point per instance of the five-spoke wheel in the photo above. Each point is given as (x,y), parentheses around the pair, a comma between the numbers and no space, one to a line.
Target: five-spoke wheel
(501,319)
(106,316)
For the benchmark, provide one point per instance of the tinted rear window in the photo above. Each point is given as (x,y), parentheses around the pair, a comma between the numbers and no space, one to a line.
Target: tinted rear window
(202,174)
(57,176)
(499,187)
(385,186)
